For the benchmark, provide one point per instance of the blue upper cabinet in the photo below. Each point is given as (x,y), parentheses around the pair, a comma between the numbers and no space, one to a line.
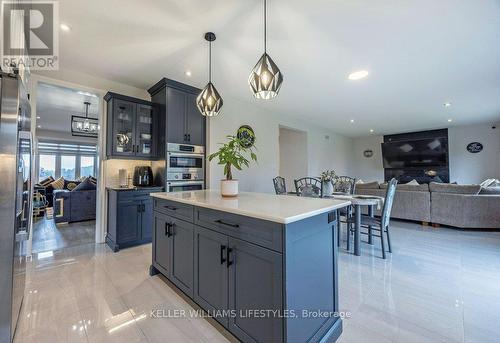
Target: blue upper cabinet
(179,117)
(131,127)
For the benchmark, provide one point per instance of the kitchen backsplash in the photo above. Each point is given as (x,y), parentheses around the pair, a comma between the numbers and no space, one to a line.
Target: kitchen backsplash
(113,166)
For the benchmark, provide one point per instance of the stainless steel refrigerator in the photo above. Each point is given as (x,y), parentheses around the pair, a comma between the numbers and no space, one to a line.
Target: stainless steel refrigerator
(16,161)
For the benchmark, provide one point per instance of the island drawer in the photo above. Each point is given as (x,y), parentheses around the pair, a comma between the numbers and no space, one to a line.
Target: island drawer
(261,232)
(175,209)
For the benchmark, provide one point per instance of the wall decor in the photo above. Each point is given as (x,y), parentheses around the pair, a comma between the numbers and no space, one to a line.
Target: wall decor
(368,153)
(247,136)
(474,147)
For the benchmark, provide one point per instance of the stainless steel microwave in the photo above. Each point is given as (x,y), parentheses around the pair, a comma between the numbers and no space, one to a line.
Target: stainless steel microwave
(186,159)
(179,186)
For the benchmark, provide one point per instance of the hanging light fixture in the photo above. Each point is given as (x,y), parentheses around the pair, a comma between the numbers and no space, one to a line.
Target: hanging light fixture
(209,101)
(265,79)
(84,126)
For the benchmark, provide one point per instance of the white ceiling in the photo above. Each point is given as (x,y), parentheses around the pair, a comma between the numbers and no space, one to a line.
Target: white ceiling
(420,54)
(55,105)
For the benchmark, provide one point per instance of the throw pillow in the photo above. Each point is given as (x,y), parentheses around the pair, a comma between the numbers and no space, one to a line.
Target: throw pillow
(93,180)
(85,185)
(367,185)
(58,184)
(454,189)
(47,181)
(71,185)
(413,183)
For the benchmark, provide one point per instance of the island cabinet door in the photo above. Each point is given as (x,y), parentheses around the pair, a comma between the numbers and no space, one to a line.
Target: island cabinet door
(210,272)
(146,219)
(162,249)
(255,283)
(182,255)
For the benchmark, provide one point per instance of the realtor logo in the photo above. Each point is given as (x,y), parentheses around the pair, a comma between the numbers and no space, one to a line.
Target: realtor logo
(30,36)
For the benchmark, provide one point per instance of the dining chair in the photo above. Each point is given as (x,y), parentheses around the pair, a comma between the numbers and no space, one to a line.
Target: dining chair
(279,185)
(344,184)
(381,224)
(309,187)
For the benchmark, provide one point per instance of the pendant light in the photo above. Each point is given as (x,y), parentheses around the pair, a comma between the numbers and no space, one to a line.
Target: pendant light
(265,79)
(84,126)
(209,101)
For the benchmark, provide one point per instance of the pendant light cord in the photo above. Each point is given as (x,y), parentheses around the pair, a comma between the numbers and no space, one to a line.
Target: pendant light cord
(210,61)
(265,26)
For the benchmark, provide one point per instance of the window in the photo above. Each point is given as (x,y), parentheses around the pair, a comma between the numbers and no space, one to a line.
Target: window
(68,167)
(71,161)
(47,166)
(87,166)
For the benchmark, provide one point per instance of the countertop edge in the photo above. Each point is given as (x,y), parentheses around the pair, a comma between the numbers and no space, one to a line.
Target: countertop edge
(279,220)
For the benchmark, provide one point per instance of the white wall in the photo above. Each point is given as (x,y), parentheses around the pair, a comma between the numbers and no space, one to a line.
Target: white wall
(474,168)
(293,155)
(325,149)
(465,168)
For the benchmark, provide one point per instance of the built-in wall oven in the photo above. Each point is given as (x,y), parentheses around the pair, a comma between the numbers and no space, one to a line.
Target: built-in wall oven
(185,167)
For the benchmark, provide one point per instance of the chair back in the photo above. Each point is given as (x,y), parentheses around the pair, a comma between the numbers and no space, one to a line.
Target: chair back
(344,184)
(389,199)
(279,185)
(309,187)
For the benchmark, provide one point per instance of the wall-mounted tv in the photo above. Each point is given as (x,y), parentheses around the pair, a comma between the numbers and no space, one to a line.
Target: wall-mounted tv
(431,152)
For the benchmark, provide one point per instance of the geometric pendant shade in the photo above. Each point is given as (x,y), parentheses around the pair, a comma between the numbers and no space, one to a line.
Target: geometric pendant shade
(265,79)
(209,101)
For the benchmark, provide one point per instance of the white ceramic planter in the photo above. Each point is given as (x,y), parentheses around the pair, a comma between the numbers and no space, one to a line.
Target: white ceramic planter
(229,188)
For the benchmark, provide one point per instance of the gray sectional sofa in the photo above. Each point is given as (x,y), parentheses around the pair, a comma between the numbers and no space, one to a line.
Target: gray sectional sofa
(463,206)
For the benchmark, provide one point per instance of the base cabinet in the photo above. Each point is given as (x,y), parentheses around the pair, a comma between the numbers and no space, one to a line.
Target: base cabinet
(246,287)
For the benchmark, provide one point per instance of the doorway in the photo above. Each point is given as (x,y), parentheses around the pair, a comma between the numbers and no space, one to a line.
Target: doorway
(66,167)
(292,155)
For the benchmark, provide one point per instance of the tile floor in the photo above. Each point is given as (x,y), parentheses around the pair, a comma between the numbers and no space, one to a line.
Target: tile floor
(49,236)
(439,285)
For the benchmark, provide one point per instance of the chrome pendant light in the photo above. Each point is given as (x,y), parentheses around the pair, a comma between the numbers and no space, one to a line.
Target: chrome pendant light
(265,79)
(209,101)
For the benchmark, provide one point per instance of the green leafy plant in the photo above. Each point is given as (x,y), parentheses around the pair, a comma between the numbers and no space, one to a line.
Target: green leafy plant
(232,154)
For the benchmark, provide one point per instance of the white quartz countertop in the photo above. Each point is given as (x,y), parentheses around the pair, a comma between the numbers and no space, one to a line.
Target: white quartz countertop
(282,209)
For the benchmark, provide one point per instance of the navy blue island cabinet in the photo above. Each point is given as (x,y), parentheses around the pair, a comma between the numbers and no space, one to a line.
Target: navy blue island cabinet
(266,279)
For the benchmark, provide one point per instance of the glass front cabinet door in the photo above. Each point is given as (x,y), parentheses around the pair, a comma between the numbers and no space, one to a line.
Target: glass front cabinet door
(131,127)
(145,144)
(124,128)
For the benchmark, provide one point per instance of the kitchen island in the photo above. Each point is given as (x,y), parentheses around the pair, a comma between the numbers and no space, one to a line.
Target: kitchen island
(264,266)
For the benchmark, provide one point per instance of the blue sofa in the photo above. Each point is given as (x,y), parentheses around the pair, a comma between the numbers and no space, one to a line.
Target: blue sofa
(74,206)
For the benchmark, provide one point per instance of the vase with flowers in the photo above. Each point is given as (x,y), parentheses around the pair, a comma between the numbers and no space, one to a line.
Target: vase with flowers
(327,179)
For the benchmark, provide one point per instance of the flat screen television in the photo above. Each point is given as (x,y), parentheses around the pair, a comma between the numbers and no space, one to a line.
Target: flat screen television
(431,152)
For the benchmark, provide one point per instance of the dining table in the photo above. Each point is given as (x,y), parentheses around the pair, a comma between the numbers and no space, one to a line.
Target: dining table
(358,202)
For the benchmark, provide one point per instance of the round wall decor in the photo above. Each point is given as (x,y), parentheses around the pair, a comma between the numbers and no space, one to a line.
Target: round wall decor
(368,153)
(246,135)
(474,147)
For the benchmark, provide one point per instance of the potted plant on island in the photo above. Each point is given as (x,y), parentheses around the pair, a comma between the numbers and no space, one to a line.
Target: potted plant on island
(327,178)
(231,154)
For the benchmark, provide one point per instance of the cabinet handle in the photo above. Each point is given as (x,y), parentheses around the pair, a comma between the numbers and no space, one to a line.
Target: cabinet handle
(139,208)
(133,148)
(167,225)
(219,221)
(171,208)
(228,255)
(189,137)
(170,231)
(143,208)
(222,250)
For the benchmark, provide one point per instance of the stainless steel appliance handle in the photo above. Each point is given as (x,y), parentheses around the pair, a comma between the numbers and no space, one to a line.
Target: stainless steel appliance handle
(176,154)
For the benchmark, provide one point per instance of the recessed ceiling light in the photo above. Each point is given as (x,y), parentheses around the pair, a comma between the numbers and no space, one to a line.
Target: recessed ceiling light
(188,73)
(37,117)
(450,120)
(65,27)
(371,130)
(447,104)
(358,75)
(352,121)
(39,126)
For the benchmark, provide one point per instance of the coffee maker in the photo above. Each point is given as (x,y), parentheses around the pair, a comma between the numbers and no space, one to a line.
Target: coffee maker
(143,176)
